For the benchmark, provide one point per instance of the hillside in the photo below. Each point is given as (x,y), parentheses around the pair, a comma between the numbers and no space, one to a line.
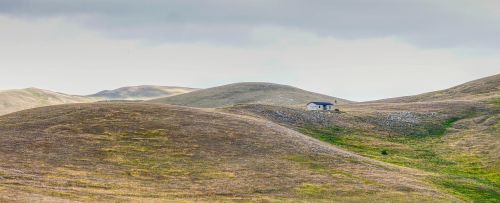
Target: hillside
(143,92)
(151,152)
(487,88)
(247,93)
(16,100)
(458,141)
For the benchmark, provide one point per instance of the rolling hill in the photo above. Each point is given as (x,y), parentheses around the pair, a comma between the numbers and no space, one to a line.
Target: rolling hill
(143,92)
(16,100)
(454,134)
(247,93)
(441,146)
(457,141)
(152,152)
(487,88)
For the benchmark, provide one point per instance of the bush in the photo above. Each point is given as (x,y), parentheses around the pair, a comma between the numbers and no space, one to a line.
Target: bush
(384,152)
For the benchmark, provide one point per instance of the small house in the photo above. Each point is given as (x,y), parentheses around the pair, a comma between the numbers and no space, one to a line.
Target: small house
(326,106)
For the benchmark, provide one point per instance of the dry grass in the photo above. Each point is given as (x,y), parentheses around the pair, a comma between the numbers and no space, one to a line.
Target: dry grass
(247,93)
(478,90)
(146,152)
(457,141)
(17,100)
(144,92)
(446,144)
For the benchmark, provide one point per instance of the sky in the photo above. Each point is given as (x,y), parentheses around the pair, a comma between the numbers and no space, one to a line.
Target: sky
(354,49)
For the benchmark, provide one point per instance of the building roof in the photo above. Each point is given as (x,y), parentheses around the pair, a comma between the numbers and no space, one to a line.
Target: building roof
(321,103)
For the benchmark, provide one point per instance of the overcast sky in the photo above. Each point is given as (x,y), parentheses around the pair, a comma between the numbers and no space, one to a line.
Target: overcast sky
(354,49)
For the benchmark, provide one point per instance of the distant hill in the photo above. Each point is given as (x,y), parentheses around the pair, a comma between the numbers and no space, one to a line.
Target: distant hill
(247,93)
(16,100)
(140,152)
(144,92)
(482,89)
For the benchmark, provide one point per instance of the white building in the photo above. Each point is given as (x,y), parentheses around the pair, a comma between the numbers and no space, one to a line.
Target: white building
(326,106)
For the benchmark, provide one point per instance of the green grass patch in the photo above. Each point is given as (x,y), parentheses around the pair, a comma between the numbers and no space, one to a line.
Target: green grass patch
(330,134)
(495,102)
(312,190)
(436,129)
(465,175)
(468,189)
(152,133)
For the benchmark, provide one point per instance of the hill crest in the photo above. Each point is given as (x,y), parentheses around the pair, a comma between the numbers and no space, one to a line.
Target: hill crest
(20,99)
(247,93)
(142,92)
(486,88)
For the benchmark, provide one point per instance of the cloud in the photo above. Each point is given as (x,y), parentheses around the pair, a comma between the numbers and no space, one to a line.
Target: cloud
(56,54)
(425,23)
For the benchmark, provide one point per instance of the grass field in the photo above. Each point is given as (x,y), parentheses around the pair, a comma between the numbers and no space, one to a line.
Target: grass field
(437,147)
(468,175)
(458,142)
(148,152)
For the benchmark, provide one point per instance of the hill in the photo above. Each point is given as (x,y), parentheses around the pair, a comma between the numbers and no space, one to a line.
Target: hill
(247,93)
(143,92)
(456,140)
(151,152)
(16,100)
(487,88)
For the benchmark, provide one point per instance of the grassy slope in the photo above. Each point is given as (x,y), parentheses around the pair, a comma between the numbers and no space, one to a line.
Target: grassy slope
(457,141)
(146,152)
(144,92)
(466,154)
(16,100)
(466,174)
(247,93)
(459,144)
(482,89)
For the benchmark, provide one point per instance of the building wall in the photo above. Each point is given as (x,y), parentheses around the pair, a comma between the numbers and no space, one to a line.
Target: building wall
(313,106)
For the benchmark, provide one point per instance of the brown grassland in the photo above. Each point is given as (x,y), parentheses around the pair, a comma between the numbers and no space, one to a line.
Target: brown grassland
(247,93)
(146,152)
(442,146)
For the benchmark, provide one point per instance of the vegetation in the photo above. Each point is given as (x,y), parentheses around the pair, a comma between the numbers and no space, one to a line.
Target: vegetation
(473,90)
(17,100)
(468,176)
(147,152)
(426,148)
(496,102)
(438,129)
(144,92)
(246,93)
